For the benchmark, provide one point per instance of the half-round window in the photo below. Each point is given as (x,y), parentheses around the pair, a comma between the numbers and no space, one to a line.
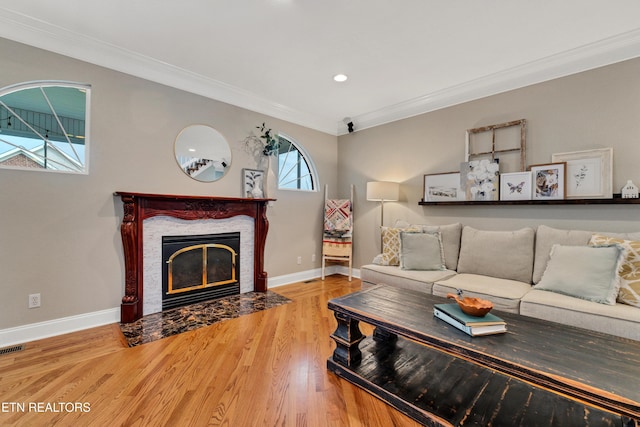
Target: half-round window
(295,168)
(44,125)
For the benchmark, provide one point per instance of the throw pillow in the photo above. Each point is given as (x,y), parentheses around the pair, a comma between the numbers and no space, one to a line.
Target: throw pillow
(629,270)
(421,251)
(586,272)
(391,245)
(450,241)
(546,237)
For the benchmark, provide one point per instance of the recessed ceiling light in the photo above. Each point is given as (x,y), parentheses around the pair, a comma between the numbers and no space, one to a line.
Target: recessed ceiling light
(340,78)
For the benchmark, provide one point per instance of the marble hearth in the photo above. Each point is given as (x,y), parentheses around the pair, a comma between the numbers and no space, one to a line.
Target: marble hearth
(148,217)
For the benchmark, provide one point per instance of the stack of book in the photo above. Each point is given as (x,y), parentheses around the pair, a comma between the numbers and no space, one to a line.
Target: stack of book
(474,326)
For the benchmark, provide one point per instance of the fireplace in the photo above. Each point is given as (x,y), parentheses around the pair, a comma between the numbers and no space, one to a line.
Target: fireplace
(199,268)
(196,214)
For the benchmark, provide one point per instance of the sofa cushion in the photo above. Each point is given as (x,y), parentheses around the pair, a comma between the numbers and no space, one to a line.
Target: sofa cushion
(420,280)
(391,245)
(629,270)
(450,241)
(587,272)
(503,293)
(620,319)
(421,251)
(501,254)
(546,237)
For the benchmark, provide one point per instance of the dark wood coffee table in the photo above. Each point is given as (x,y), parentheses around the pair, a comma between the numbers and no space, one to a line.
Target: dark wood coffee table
(539,373)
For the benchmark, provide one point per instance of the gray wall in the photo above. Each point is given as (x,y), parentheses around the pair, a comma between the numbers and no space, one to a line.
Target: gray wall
(59,233)
(595,109)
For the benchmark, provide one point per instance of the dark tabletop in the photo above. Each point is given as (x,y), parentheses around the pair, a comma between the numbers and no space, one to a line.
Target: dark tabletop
(546,353)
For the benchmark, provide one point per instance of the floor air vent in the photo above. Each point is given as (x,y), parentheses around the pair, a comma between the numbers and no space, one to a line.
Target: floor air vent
(12,349)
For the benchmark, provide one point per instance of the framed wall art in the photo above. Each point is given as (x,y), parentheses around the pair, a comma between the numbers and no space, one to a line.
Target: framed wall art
(442,187)
(479,179)
(515,186)
(252,183)
(589,173)
(548,181)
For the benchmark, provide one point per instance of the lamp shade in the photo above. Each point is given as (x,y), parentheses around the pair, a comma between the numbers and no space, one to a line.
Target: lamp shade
(378,191)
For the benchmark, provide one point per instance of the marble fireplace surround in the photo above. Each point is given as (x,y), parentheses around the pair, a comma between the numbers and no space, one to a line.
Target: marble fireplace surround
(194,211)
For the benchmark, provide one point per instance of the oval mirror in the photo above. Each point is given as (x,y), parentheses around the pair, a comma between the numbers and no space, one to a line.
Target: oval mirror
(203,153)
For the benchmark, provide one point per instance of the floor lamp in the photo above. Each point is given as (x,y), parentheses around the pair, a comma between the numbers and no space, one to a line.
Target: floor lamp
(381,191)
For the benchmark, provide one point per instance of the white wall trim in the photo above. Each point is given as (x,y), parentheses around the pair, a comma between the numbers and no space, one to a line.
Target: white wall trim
(316,273)
(344,270)
(601,53)
(50,328)
(25,29)
(65,325)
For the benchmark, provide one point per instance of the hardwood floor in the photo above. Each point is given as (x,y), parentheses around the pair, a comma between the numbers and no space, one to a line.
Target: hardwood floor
(262,369)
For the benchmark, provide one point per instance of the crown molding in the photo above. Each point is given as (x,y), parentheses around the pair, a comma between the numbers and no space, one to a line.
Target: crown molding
(598,54)
(25,29)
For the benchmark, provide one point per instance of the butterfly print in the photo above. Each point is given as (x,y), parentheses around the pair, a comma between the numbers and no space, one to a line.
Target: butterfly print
(515,188)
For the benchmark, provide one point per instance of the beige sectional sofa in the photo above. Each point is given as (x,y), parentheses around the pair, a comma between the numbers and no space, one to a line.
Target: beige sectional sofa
(508,267)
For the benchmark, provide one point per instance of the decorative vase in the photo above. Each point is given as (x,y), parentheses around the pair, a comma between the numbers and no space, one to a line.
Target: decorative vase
(270,180)
(629,191)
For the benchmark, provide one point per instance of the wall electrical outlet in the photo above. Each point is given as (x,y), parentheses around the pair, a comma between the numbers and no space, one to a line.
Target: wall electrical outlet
(34,300)
(299,260)
(313,258)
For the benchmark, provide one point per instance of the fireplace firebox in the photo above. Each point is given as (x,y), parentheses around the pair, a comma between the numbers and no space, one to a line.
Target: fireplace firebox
(199,268)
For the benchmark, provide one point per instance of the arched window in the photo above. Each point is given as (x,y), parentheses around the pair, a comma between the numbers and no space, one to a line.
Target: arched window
(44,125)
(295,168)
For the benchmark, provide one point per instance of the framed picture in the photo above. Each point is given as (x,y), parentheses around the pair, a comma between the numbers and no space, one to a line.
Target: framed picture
(479,179)
(253,183)
(515,186)
(589,173)
(442,187)
(548,181)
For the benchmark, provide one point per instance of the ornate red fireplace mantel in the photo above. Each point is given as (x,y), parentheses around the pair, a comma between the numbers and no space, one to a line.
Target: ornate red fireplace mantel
(138,206)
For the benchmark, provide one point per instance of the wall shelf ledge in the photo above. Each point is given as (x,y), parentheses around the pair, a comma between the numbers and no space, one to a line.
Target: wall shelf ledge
(616,200)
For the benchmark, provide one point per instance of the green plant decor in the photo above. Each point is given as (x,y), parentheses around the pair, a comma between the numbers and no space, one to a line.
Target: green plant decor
(263,146)
(271,143)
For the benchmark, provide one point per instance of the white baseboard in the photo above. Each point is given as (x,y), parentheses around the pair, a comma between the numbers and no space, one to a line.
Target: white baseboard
(51,328)
(341,269)
(302,276)
(65,325)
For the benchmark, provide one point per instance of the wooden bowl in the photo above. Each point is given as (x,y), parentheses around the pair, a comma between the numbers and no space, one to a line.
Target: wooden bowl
(472,306)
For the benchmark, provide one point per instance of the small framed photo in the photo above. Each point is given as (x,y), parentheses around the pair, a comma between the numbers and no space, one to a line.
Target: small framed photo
(515,186)
(589,173)
(548,181)
(442,187)
(253,183)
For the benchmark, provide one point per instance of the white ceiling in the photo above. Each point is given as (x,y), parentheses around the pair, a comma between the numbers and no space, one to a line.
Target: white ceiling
(278,57)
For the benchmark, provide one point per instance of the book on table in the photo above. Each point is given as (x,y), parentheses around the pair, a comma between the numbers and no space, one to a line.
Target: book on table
(472,325)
